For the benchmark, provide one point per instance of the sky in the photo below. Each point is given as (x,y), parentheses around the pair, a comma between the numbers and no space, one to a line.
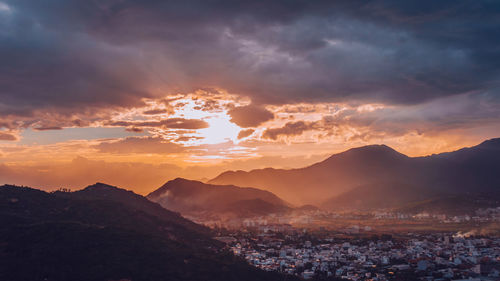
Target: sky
(135,93)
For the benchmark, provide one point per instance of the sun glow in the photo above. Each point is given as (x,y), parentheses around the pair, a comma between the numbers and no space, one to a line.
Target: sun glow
(220,130)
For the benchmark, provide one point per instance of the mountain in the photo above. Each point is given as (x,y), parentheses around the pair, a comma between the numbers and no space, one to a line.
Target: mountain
(380,171)
(473,169)
(193,197)
(107,233)
(138,203)
(333,176)
(381,195)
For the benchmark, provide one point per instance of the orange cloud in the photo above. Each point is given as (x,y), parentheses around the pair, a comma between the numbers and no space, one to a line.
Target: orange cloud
(156,111)
(245,133)
(153,145)
(8,137)
(290,129)
(171,123)
(134,130)
(49,128)
(250,115)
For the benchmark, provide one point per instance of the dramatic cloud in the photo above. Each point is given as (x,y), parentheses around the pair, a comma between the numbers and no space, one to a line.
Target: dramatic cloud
(369,122)
(157,111)
(139,145)
(171,123)
(245,133)
(47,128)
(7,137)
(69,55)
(290,129)
(134,130)
(250,116)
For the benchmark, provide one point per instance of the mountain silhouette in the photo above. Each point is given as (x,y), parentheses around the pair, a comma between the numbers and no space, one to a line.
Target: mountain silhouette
(107,233)
(347,177)
(192,197)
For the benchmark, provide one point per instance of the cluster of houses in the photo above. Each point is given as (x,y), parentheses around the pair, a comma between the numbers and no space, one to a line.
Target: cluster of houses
(481,215)
(409,257)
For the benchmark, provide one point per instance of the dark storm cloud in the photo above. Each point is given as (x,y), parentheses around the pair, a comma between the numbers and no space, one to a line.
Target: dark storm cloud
(69,55)
(51,69)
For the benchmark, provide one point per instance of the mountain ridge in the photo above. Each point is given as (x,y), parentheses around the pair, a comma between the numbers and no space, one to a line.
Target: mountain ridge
(193,197)
(470,168)
(107,233)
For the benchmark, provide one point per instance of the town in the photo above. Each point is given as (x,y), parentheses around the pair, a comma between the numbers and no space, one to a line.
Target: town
(412,256)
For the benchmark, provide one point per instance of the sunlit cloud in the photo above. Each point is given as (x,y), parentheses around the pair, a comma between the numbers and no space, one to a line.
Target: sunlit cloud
(245,133)
(6,136)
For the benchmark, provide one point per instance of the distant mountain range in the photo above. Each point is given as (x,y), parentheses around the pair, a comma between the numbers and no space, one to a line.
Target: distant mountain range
(107,233)
(194,198)
(377,176)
